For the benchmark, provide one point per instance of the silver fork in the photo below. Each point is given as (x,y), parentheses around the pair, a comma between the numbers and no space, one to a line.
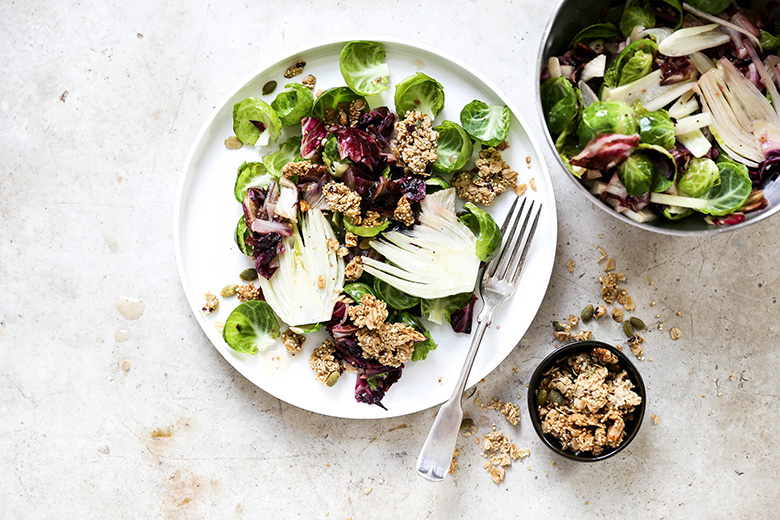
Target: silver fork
(498,283)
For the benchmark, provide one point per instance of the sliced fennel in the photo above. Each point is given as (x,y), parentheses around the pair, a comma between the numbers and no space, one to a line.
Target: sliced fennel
(294,291)
(720,21)
(692,39)
(436,258)
(688,124)
(648,91)
(701,61)
(595,68)
(685,105)
(695,142)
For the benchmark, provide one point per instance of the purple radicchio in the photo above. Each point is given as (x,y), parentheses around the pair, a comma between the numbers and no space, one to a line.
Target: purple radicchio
(359,146)
(379,123)
(313,133)
(266,229)
(675,70)
(412,186)
(461,319)
(770,168)
(606,151)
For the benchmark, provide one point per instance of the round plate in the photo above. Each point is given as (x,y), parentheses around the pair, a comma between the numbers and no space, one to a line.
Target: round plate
(208,259)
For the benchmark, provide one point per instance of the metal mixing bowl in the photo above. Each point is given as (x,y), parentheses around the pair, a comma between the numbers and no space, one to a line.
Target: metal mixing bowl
(568,19)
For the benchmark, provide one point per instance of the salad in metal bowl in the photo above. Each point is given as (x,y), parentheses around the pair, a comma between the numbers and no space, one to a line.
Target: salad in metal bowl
(665,109)
(352,226)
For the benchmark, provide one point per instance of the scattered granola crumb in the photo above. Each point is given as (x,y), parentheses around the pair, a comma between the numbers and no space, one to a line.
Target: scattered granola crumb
(212,303)
(649,280)
(320,282)
(573,320)
(520,189)
(503,145)
(609,286)
(248,292)
(126,365)
(403,212)
(309,82)
(318,92)
(599,312)
(621,297)
(629,305)
(294,70)
(368,490)
(500,452)
(532,183)
(679,313)
(675,333)
(454,462)
(528,161)
(292,342)
(603,254)
(491,177)
(219,326)
(609,265)
(635,344)
(652,304)
(656,419)
(415,144)
(570,265)
(582,335)
(341,198)
(354,269)
(617,314)
(64,96)
(324,364)
(511,412)
(350,239)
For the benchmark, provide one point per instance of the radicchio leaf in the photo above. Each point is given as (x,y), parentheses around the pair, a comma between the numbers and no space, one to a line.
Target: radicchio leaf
(313,133)
(606,151)
(358,146)
(412,186)
(266,229)
(675,70)
(379,123)
(770,168)
(461,319)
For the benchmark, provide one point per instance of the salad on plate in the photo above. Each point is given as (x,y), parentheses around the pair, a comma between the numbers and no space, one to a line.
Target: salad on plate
(363,221)
(665,109)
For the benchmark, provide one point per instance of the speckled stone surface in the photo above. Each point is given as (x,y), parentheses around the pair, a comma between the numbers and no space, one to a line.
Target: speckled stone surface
(99,103)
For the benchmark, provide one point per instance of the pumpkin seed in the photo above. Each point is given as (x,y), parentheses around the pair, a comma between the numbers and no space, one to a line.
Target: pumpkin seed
(233,143)
(628,329)
(587,313)
(637,323)
(248,274)
(558,326)
(541,397)
(466,423)
(333,378)
(228,290)
(269,87)
(557,398)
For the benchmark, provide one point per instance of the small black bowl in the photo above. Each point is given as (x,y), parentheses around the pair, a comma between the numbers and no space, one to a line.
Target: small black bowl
(632,426)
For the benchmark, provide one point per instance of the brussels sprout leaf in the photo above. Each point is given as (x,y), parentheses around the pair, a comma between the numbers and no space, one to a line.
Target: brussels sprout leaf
(419,93)
(256,122)
(294,104)
(453,147)
(251,327)
(486,123)
(362,67)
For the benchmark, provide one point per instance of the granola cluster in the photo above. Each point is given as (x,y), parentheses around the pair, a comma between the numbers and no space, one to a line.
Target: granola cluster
(249,292)
(294,69)
(403,213)
(292,342)
(354,269)
(391,344)
(323,362)
(212,303)
(500,452)
(415,143)
(340,198)
(488,180)
(300,168)
(585,400)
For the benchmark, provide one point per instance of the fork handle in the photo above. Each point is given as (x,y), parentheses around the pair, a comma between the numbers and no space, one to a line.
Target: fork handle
(435,457)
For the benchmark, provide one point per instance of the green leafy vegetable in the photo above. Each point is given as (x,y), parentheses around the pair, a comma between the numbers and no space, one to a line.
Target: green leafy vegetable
(289,151)
(607,117)
(327,104)
(419,93)
(701,176)
(723,199)
(394,298)
(241,234)
(769,42)
(251,327)
(453,147)
(294,104)
(357,290)
(486,123)
(362,67)
(673,7)
(711,6)
(435,183)
(250,175)
(366,231)
(636,15)
(306,329)
(561,104)
(633,62)
(657,128)
(664,166)
(439,310)
(332,158)
(596,31)
(256,122)
(636,174)
(421,348)
(484,228)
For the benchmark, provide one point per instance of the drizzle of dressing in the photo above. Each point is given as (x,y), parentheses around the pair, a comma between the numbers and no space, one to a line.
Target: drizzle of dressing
(274,361)
(418,63)
(130,308)
(122,335)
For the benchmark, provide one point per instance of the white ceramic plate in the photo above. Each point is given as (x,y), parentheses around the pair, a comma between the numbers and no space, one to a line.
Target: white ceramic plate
(208,258)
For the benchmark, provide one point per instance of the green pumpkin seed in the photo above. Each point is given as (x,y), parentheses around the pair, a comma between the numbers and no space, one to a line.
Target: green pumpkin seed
(628,328)
(587,313)
(233,143)
(637,323)
(558,326)
(557,398)
(466,423)
(269,87)
(248,274)
(228,290)
(541,397)
(333,378)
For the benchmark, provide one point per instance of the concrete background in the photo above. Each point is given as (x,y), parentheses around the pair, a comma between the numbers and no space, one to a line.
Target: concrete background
(99,103)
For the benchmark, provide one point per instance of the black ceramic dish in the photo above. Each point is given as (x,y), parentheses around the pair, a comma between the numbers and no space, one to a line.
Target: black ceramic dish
(632,425)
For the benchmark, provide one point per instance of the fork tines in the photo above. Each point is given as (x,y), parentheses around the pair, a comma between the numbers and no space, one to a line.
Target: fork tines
(516,244)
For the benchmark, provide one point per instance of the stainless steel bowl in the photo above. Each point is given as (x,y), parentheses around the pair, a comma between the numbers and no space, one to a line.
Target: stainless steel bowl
(567,20)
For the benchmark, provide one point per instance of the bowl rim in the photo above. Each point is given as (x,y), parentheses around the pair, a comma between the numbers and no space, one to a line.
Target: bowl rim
(568,349)
(713,230)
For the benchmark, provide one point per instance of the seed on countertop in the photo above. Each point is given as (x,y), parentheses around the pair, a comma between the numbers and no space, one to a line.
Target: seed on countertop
(541,397)
(675,333)
(637,323)
(628,329)
(587,313)
(126,365)
(557,398)
(269,87)
(629,305)
(558,326)
(573,320)
(617,314)
(248,274)
(466,423)
(233,143)
(228,290)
